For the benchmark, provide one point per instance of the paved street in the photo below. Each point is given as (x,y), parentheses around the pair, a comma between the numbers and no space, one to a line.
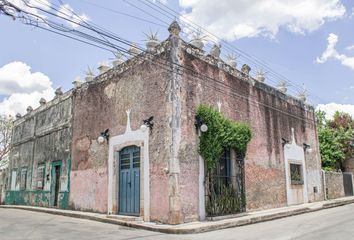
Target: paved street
(335,223)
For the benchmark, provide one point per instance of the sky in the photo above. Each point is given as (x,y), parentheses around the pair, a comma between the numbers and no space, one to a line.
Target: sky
(308,43)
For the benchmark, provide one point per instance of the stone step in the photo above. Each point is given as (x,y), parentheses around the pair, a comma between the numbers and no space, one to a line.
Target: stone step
(125,218)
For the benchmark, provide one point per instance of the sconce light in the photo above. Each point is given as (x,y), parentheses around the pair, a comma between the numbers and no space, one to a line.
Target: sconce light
(284,141)
(307,148)
(149,122)
(104,136)
(199,124)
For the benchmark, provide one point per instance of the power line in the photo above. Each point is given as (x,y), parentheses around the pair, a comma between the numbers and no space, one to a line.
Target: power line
(270,78)
(122,13)
(195,28)
(100,41)
(261,62)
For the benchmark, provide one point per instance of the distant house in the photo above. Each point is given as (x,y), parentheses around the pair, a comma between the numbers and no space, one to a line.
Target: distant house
(90,149)
(2,185)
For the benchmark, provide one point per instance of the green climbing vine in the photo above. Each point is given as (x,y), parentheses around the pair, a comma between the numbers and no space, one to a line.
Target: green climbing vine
(222,133)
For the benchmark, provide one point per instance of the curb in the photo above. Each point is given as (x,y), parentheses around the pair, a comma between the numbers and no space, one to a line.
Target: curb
(180,229)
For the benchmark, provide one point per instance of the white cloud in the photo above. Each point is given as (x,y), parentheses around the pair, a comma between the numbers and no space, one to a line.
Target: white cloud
(331,108)
(330,50)
(331,53)
(66,11)
(234,19)
(16,77)
(22,88)
(349,48)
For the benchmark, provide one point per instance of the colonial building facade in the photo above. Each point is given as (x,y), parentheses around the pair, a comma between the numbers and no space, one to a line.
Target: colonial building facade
(126,142)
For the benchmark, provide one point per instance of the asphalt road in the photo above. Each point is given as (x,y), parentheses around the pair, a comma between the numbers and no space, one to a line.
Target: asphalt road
(335,223)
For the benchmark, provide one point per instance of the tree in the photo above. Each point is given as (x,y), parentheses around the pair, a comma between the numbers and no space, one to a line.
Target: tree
(6,124)
(336,139)
(344,124)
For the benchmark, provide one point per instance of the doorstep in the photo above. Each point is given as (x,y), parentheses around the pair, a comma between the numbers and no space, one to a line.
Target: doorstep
(125,218)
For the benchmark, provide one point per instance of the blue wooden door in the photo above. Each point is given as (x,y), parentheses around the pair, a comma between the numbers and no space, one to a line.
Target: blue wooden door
(129,181)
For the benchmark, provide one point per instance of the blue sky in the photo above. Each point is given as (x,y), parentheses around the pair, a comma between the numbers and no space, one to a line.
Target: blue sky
(291,38)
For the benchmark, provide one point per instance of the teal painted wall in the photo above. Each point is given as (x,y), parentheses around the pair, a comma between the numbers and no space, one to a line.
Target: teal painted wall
(35,198)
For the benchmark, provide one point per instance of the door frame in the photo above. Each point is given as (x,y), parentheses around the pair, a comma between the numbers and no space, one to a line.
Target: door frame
(53,180)
(294,154)
(139,138)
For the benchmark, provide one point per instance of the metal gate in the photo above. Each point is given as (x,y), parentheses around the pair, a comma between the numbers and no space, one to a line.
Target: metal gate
(225,193)
(129,181)
(348,184)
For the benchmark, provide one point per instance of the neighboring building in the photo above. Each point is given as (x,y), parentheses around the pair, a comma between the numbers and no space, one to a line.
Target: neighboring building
(60,156)
(39,167)
(2,186)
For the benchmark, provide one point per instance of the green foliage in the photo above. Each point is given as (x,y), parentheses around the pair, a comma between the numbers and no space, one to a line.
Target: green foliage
(222,133)
(335,138)
(224,203)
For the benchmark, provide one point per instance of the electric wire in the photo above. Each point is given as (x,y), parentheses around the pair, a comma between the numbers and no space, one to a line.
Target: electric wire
(270,78)
(203,78)
(231,47)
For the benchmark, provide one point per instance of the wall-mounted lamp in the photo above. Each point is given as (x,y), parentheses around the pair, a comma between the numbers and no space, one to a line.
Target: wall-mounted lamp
(284,141)
(307,148)
(149,122)
(199,124)
(103,136)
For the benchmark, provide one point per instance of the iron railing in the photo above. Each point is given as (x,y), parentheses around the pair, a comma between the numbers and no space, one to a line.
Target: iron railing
(224,195)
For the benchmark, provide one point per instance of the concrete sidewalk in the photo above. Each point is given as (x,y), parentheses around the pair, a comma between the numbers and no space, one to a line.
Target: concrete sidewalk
(196,227)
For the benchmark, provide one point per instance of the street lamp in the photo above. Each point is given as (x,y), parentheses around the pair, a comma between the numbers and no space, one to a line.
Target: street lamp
(103,136)
(307,148)
(200,125)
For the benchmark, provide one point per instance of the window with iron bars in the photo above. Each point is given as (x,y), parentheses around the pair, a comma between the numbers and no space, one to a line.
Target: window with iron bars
(23,179)
(40,176)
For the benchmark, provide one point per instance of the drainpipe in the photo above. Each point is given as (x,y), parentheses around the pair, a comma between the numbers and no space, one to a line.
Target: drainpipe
(324,183)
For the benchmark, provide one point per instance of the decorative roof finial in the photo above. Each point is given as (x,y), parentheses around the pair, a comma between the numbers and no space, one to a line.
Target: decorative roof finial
(215,51)
(29,109)
(260,76)
(133,50)
(302,95)
(77,81)
(174,28)
(128,128)
(245,69)
(58,92)
(42,101)
(282,86)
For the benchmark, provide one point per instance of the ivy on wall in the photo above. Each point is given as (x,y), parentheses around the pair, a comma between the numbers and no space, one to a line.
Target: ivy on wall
(222,133)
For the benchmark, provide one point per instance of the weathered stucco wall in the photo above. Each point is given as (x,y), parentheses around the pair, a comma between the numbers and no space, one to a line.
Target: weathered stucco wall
(41,137)
(334,185)
(2,186)
(137,85)
(271,116)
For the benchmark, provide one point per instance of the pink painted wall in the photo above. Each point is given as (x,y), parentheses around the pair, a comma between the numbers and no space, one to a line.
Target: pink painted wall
(89,190)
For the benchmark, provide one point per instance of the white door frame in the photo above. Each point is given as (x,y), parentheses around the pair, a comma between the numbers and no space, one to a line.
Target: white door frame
(139,137)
